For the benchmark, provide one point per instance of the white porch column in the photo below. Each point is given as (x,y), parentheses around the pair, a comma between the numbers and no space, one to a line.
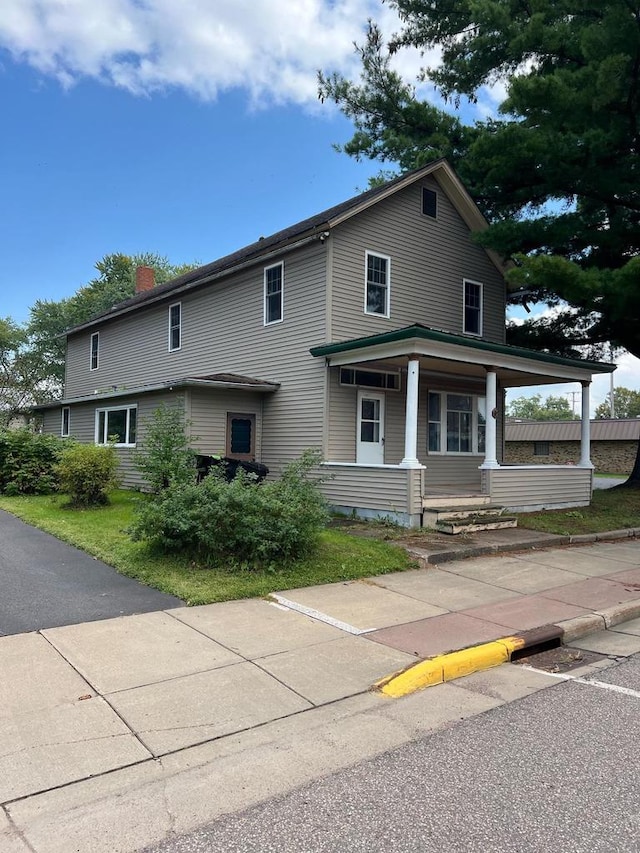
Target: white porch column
(585,429)
(490,454)
(411,416)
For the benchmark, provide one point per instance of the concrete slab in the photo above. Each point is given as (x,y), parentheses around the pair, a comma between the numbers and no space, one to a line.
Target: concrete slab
(118,654)
(10,842)
(195,708)
(593,593)
(630,627)
(46,748)
(527,611)
(337,669)
(625,551)
(362,604)
(610,643)
(507,682)
(579,560)
(34,677)
(526,577)
(256,628)
(446,590)
(429,637)
(136,807)
(628,577)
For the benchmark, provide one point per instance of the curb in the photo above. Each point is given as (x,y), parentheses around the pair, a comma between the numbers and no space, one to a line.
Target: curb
(456,664)
(550,541)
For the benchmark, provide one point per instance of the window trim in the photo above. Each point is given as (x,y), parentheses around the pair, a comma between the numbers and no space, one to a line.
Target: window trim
(65,433)
(178,327)
(94,336)
(267,322)
(443,424)
(422,205)
(107,409)
(244,457)
(465,282)
(369,253)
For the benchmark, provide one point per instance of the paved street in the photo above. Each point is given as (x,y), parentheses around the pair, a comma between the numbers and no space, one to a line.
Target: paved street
(555,770)
(123,732)
(45,583)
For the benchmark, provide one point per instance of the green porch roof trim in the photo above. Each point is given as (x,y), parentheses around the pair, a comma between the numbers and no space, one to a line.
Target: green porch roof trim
(427,334)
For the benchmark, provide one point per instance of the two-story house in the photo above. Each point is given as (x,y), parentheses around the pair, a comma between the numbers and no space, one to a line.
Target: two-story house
(374,331)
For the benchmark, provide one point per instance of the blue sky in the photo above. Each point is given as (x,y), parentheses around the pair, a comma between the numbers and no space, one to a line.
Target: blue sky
(183,127)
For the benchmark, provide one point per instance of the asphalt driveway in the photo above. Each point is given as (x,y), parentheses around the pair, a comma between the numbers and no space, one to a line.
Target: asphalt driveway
(45,583)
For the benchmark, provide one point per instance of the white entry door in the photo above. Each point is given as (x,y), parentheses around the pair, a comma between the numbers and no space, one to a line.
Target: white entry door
(370,443)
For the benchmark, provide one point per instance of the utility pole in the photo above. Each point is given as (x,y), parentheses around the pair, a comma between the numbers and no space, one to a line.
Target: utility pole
(611,390)
(574,395)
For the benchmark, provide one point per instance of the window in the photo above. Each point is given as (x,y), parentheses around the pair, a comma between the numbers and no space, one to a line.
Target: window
(116,425)
(241,436)
(540,448)
(175,326)
(456,423)
(429,202)
(377,286)
(273,292)
(64,427)
(370,378)
(472,308)
(95,345)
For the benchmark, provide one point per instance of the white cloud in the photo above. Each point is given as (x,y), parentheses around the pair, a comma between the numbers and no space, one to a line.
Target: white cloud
(272,49)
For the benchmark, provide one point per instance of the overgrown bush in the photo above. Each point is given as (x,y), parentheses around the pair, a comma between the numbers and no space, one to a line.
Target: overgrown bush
(27,462)
(245,523)
(87,473)
(163,456)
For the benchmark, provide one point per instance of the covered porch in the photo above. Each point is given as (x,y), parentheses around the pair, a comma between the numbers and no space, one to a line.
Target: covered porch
(415,418)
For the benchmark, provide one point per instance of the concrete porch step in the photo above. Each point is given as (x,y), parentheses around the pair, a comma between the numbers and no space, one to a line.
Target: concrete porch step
(448,501)
(472,526)
(467,519)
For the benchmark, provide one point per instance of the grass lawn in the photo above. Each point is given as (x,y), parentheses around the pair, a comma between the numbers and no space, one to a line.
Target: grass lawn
(611,509)
(101,533)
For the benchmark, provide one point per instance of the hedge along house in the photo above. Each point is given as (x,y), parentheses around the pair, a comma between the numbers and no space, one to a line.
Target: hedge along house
(374,331)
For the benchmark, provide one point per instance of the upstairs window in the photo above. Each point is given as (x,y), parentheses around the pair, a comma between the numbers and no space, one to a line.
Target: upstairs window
(95,346)
(472,308)
(175,326)
(376,300)
(456,423)
(66,418)
(429,202)
(273,294)
(117,426)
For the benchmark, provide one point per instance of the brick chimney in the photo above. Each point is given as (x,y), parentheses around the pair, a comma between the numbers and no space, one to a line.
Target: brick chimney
(144,279)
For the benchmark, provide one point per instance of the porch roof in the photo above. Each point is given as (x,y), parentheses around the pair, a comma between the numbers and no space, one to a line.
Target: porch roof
(214,381)
(516,365)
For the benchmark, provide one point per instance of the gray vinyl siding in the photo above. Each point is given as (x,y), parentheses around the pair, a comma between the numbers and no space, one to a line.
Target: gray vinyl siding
(368,487)
(544,486)
(429,260)
(223,331)
(207,412)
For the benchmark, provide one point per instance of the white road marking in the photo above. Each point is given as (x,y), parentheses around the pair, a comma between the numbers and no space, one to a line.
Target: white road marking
(317,614)
(615,688)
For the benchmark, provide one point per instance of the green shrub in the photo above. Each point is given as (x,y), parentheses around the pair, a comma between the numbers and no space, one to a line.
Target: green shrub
(86,473)
(245,523)
(163,456)
(27,462)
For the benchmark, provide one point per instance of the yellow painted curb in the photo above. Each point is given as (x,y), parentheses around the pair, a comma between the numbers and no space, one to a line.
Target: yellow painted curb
(447,667)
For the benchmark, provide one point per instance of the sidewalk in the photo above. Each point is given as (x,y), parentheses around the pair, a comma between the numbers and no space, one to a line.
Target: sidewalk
(85,700)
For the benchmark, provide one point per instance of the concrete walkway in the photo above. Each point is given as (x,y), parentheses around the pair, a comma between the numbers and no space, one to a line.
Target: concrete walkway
(82,702)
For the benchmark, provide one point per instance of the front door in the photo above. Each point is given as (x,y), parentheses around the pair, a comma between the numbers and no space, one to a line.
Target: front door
(370,440)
